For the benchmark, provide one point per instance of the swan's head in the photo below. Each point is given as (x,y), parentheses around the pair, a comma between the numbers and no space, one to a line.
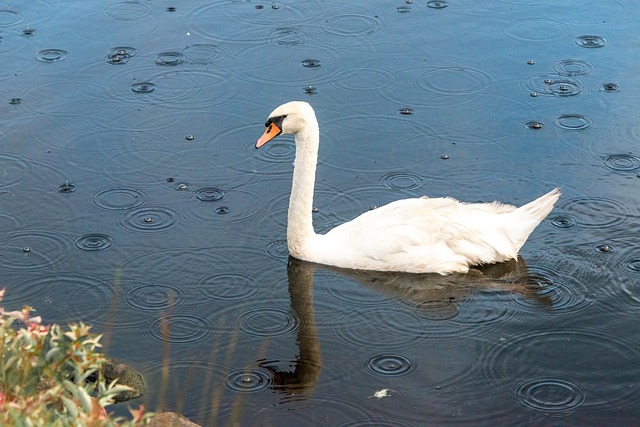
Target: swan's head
(292,117)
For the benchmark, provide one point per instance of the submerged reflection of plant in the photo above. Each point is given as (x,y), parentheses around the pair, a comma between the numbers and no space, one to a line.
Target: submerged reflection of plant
(52,376)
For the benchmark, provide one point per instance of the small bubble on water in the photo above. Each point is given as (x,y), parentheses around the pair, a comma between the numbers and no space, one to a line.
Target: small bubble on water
(171,9)
(170,179)
(143,87)
(533,94)
(26,249)
(563,88)
(531,62)
(408,1)
(259,6)
(311,63)
(67,187)
(403,9)
(189,137)
(275,6)
(15,101)
(28,32)
(534,125)
(310,90)
(437,4)
(444,156)
(406,111)
(148,220)
(604,248)
(610,87)
(372,207)
(548,81)
(222,210)
(314,210)
(182,186)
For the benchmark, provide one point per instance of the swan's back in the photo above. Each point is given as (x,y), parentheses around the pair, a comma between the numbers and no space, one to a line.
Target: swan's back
(440,235)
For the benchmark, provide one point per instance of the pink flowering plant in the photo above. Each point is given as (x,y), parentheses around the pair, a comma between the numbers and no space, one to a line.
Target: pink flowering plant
(48,375)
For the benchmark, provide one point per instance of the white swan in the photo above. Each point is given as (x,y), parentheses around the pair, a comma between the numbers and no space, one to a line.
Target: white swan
(417,235)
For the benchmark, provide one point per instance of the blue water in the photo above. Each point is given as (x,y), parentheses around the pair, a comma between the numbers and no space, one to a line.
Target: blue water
(132,198)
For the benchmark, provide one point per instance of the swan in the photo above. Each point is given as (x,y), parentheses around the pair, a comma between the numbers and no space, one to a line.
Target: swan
(414,235)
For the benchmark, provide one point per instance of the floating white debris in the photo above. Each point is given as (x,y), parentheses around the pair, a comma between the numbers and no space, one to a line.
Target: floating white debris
(382,393)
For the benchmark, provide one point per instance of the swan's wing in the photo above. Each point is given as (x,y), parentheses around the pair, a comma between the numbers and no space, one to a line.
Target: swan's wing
(425,234)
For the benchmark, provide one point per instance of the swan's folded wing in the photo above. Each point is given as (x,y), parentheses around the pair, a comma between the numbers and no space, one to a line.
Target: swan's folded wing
(424,234)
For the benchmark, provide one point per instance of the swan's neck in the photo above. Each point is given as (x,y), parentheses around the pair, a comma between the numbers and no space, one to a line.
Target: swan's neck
(300,226)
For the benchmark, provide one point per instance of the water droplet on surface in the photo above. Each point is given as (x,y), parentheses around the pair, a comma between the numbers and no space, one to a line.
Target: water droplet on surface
(604,248)
(403,9)
(275,6)
(181,186)
(148,220)
(534,125)
(591,41)
(67,187)
(437,4)
(406,111)
(311,63)
(26,249)
(222,210)
(531,62)
(15,101)
(533,94)
(408,1)
(120,54)
(171,9)
(610,87)
(189,137)
(259,7)
(248,381)
(444,156)
(170,179)
(315,210)
(52,55)
(143,87)
(310,90)
(28,32)
(563,221)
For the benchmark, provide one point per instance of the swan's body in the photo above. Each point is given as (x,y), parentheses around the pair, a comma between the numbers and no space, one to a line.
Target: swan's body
(417,235)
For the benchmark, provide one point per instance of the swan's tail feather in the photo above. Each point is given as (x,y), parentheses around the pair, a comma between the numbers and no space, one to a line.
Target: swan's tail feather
(531,215)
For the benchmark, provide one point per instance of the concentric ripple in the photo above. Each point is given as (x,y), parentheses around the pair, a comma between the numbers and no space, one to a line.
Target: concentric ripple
(94,242)
(248,381)
(204,53)
(573,67)
(389,364)
(365,79)
(551,291)
(456,81)
(228,287)
(150,219)
(351,25)
(573,122)
(209,194)
(622,162)
(10,17)
(553,396)
(591,41)
(287,36)
(143,87)
(403,180)
(266,321)
(437,4)
(534,357)
(169,58)
(632,264)
(553,85)
(597,212)
(179,328)
(52,55)
(33,250)
(118,198)
(127,10)
(563,221)
(153,296)
(535,29)
(277,249)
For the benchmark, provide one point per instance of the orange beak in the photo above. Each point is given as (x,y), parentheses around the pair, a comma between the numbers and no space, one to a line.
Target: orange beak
(271,132)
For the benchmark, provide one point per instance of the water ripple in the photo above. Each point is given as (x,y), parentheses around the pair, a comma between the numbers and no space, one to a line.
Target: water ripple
(179,328)
(531,357)
(150,219)
(33,250)
(94,242)
(52,55)
(591,41)
(536,29)
(204,53)
(389,365)
(118,198)
(152,296)
(248,381)
(597,212)
(553,396)
(621,162)
(573,67)
(553,85)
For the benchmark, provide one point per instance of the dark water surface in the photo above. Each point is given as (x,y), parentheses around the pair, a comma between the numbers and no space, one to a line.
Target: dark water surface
(131,197)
